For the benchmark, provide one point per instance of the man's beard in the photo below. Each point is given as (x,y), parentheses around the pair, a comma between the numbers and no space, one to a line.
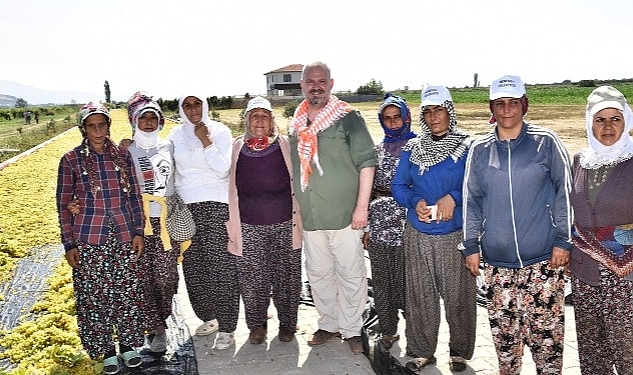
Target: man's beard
(317,98)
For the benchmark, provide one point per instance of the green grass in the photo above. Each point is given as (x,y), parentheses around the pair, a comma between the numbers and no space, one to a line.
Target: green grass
(16,134)
(558,94)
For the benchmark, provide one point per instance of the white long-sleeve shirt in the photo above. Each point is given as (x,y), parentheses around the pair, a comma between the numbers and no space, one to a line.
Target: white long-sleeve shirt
(202,175)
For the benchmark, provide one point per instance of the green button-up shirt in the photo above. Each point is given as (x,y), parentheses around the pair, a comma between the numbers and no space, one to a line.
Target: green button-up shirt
(344,149)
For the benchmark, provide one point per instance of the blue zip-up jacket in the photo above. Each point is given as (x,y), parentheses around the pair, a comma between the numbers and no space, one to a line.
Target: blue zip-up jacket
(409,187)
(516,198)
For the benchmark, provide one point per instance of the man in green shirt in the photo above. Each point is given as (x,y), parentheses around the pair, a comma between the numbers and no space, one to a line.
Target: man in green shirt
(333,170)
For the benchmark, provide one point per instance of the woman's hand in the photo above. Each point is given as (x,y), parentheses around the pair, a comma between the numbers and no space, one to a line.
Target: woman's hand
(365,240)
(423,212)
(202,132)
(138,244)
(125,143)
(560,258)
(72,257)
(445,208)
(472,263)
(73,206)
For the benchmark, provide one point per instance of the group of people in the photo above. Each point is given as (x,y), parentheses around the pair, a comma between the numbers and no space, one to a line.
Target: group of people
(441,202)
(427,207)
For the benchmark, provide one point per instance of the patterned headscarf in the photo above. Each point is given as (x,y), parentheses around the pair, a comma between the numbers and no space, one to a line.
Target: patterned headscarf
(404,132)
(139,103)
(88,159)
(426,152)
(89,109)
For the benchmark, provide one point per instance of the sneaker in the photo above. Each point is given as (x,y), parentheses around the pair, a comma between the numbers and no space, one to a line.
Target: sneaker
(207,328)
(159,343)
(224,340)
(355,344)
(322,336)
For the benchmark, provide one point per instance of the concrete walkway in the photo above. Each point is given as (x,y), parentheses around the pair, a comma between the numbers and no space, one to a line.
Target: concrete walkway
(334,357)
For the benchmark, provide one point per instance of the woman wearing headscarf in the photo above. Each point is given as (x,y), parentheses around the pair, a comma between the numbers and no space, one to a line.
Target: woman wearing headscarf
(154,165)
(428,183)
(602,258)
(265,224)
(202,151)
(104,241)
(383,235)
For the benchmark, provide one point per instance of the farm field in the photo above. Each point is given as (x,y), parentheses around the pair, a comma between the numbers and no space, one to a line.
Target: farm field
(567,120)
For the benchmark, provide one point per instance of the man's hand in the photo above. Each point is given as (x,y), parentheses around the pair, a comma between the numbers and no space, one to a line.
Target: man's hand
(472,263)
(359,218)
(560,258)
(72,257)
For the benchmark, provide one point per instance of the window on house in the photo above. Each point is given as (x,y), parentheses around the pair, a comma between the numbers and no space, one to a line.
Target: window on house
(287,77)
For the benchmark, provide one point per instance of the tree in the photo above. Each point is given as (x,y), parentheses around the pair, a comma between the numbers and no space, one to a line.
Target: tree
(476,82)
(587,83)
(21,103)
(373,87)
(106,88)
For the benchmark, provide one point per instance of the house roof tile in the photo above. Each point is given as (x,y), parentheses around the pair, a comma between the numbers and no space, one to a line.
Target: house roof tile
(289,68)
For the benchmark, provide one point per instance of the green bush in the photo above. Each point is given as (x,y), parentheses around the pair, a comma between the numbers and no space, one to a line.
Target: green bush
(289,109)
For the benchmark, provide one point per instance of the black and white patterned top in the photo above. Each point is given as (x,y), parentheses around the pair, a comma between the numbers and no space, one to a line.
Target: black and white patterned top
(386,216)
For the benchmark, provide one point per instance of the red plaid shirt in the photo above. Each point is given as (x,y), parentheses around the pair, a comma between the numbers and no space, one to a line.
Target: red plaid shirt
(111,203)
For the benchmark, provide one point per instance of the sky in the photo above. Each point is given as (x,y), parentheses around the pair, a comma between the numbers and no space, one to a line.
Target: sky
(224,48)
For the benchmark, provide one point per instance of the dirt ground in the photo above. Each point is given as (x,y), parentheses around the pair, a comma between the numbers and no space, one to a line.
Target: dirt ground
(568,121)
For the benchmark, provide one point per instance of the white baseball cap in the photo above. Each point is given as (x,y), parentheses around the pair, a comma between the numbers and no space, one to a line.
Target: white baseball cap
(435,95)
(258,102)
(507,87)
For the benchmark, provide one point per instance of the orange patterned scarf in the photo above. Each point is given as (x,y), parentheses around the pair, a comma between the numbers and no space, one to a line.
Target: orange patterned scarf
(307,146)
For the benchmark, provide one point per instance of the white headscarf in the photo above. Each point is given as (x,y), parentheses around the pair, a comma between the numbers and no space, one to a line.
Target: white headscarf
(189,127)
(597,155)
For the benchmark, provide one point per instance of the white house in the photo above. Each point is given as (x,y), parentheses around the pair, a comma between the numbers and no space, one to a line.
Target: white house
(284,81)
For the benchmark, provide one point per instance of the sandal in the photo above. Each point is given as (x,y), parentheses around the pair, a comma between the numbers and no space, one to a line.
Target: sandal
(417,363)
(457,364)
(207,328)
(388,340)
(111,365)
(132,359)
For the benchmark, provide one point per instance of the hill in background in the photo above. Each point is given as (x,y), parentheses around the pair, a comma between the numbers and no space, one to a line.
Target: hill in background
(11,91)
